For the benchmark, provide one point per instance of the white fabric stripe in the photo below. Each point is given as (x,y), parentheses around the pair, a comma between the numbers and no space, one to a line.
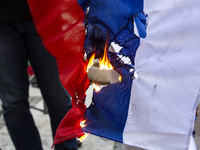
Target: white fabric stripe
(192,145)
(166,92)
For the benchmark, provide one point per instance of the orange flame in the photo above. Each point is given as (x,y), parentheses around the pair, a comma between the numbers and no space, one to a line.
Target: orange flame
(96,87)
(120,78)
(104,62)
(82,124)
(91,62)
(82,138)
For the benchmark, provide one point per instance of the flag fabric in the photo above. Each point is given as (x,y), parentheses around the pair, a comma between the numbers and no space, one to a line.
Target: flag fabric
(154,105)
(60,24)
(165,94)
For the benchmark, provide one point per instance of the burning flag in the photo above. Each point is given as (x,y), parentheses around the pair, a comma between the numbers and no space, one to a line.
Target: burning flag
(154,105)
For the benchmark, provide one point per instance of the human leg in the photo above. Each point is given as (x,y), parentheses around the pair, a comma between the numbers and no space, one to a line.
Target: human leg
(14,89)
(46,72)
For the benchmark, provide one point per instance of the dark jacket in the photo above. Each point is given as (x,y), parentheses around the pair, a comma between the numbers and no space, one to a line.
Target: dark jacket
(14,10)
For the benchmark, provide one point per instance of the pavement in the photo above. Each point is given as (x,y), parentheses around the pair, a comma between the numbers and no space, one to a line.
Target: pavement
(92,142)
(42,121)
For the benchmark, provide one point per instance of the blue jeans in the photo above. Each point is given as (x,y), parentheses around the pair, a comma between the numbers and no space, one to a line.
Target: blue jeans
(19,42)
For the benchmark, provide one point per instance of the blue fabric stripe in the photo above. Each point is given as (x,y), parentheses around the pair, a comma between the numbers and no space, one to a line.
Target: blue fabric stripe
(108,112)
(111,20)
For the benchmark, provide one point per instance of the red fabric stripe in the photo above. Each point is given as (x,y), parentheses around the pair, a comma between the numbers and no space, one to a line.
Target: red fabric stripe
(60,25)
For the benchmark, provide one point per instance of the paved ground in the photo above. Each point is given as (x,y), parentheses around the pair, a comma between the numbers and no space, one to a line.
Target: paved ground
(42,121)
